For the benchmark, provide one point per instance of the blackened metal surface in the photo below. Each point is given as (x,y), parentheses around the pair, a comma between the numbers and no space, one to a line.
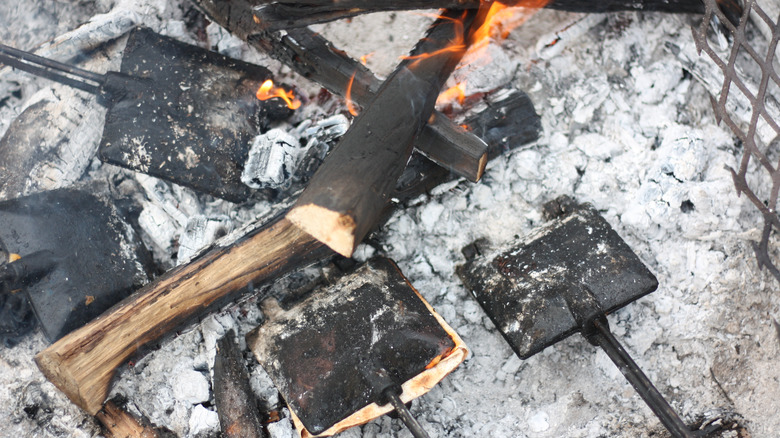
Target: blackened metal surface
(98,258)
(321,354)
(194,124)
(544,288)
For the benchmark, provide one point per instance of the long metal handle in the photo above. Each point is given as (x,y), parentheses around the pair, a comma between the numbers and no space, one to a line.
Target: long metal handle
(50,69)
(414,426)
(604,338)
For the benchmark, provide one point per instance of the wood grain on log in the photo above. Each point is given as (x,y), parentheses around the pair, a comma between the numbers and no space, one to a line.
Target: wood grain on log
(83,363)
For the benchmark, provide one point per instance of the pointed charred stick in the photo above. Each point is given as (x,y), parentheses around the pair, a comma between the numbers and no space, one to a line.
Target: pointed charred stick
(315,58)
(239,414)
(601,336)
(346,195)
(83,363)
(290,14)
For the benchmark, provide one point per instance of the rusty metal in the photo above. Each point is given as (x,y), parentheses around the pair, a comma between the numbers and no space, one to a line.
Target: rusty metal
(755,87)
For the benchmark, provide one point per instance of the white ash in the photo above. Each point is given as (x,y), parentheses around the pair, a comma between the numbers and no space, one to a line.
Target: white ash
(200,232)
(706,337)
(272,160)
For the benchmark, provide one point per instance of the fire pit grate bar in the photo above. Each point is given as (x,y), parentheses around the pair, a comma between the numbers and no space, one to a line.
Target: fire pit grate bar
(749,135)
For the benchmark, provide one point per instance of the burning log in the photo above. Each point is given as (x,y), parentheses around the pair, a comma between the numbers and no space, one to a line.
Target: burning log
(348,351)
(288,14)
(239,414)
(315,58)
(335,208)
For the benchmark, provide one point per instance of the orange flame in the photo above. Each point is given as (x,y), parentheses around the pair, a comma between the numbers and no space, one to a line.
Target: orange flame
(268,91)
(364,58)
(456,93)
(458,42)
(350,104)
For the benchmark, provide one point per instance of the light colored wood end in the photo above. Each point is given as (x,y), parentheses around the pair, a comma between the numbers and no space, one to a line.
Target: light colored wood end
(330,227)
(88,393)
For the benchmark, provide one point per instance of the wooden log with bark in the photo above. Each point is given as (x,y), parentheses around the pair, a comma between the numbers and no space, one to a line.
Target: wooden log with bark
(313,57)
(350,189)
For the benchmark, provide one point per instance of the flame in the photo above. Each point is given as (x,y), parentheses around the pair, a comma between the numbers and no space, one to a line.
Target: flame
(455,93)
(499,22)
(364,58)
(458,42)
(350,104)
(268,91)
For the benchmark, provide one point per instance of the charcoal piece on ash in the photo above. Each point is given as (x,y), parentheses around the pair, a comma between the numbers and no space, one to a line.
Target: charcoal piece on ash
(508,120)
(74,257)
(238,408)
(329,354)
(562,279)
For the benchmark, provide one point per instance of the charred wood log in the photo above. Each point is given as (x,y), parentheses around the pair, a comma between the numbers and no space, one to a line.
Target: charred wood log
(315,58)
(239,413)
(289,14)
(346,195)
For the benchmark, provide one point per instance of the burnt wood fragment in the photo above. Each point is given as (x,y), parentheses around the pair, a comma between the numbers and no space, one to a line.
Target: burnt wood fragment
(346,195)
(117,422)
(335,355)
(315,58)
(565,278)
(237,407)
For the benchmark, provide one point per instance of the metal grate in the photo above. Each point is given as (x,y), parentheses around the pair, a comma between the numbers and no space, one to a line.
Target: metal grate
(749,77)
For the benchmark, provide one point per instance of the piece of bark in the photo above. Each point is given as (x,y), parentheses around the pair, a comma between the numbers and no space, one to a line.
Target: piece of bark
(239,414)
(315,58)
(346,195)
(83,363)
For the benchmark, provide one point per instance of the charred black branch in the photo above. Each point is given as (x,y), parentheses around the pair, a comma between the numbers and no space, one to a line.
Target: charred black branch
(239,414)
(290,14)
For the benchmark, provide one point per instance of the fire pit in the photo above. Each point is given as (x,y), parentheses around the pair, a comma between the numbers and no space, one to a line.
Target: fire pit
(626,126)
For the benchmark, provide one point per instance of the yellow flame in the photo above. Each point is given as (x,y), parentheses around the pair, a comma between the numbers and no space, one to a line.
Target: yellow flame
(350,104)
(268,91)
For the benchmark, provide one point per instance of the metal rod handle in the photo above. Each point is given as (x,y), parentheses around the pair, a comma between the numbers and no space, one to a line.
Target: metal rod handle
(657,403)
(414,426)
(50,69)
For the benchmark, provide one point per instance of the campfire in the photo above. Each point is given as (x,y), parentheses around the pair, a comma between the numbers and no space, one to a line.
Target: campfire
(241,218)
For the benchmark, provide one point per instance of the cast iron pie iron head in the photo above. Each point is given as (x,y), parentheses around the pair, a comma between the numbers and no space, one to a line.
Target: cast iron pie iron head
(343,354)
(71,254)
(175,111)
(566,278)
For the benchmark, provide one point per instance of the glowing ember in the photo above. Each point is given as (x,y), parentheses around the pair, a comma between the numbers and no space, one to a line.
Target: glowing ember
(350,104)
(268,91)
